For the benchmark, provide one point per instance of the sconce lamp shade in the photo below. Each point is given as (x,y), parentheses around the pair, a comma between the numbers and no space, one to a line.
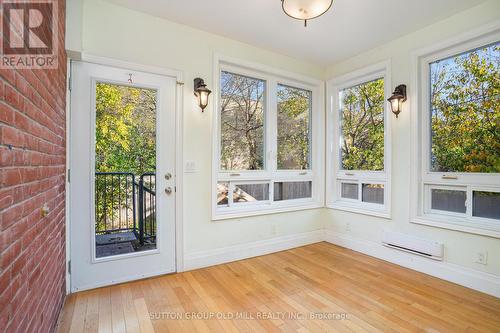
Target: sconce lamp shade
(397,99)
(305,9)
(201,92)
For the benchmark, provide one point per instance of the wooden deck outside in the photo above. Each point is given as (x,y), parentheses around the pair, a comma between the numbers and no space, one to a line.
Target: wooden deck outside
(286,291)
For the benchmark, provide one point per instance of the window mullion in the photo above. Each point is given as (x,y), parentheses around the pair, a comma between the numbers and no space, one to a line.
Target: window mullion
(360,191)
(468,205)
(230,194)
(272,118)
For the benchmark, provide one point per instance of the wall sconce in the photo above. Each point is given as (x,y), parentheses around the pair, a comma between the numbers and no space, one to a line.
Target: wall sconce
(397,99)
(201,92)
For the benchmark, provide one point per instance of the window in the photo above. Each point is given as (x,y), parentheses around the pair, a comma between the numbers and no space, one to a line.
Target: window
(465,112)
(457,179)
(265,160)
(242,122)
(292,190)
(294,119)
(358,170)
(362,126)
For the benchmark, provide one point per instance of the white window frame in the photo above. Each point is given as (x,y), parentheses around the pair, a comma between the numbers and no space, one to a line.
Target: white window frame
(269,174)
(422,178)
(335,175)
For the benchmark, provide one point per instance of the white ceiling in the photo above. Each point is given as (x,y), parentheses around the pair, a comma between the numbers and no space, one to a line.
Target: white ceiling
(350,27)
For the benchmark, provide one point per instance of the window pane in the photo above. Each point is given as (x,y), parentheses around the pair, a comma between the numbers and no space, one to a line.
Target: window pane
(362,138)
(349,191)
(222,194)
(373,193)
(448,200)
(294,108)
(292,190)
(251,193)
(486,204)
(465,110)
(242,122)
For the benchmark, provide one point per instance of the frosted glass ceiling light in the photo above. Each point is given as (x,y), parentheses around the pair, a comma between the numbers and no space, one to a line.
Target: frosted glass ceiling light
(305,9)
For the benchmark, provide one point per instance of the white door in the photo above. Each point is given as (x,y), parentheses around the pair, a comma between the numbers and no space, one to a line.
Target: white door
(122,175)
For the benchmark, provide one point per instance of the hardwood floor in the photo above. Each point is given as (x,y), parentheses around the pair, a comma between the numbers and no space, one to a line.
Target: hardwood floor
(315,288)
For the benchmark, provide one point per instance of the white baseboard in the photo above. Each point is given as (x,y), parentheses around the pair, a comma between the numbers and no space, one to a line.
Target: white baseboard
(467,277)
(248,250)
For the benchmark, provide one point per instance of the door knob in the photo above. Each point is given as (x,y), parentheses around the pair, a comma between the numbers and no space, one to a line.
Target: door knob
(168,175)
(168,190)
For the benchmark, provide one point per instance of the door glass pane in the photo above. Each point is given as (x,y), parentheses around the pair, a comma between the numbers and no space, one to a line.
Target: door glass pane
(349,191)
(250,193)
(242,122)
(125,165)
(362,126)
(292,190)
(373,193)
(294,128)
(486,204)
(448,200)
(465,111)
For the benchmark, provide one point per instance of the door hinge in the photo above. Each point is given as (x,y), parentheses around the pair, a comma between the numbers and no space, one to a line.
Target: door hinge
(70,83)
(69,266)
(69,175)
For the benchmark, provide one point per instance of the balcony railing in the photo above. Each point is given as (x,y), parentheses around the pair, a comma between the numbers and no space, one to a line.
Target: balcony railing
(125,203)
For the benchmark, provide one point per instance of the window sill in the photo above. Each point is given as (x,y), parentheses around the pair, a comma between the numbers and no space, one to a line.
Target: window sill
(457,224)
(359,209)
(264,210)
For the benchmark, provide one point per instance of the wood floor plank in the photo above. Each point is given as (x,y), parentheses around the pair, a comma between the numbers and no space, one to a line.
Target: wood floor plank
(143,316)
(66,316)
(80,310)
(92,314)
(129,312)
(105,320)
(286,292)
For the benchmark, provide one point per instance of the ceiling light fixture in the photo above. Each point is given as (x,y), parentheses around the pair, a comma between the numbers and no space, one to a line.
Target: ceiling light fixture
(305,9)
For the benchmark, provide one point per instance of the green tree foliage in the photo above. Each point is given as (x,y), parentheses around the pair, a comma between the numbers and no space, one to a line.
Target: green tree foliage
(465,105)
(242,122)
(293,128)
(125,129)
(362,111)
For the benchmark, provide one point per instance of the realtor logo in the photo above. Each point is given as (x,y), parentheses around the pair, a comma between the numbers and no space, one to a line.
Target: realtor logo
(29,34)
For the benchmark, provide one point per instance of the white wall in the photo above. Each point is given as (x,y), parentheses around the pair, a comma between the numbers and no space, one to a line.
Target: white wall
(460,248)
(115,32)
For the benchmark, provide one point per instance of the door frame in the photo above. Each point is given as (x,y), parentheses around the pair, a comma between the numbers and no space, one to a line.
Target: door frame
(179,162)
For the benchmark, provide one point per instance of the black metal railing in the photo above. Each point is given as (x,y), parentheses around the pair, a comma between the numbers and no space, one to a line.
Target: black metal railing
(146,190)
(122,204)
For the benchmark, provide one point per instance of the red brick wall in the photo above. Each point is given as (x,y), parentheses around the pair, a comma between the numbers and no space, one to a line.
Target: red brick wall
(32,174)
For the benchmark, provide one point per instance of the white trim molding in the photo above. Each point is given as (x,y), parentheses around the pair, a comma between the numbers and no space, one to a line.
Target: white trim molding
(422,177)
(179,163)
(335,175)
(270,174)
(227,254)
(467,277)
